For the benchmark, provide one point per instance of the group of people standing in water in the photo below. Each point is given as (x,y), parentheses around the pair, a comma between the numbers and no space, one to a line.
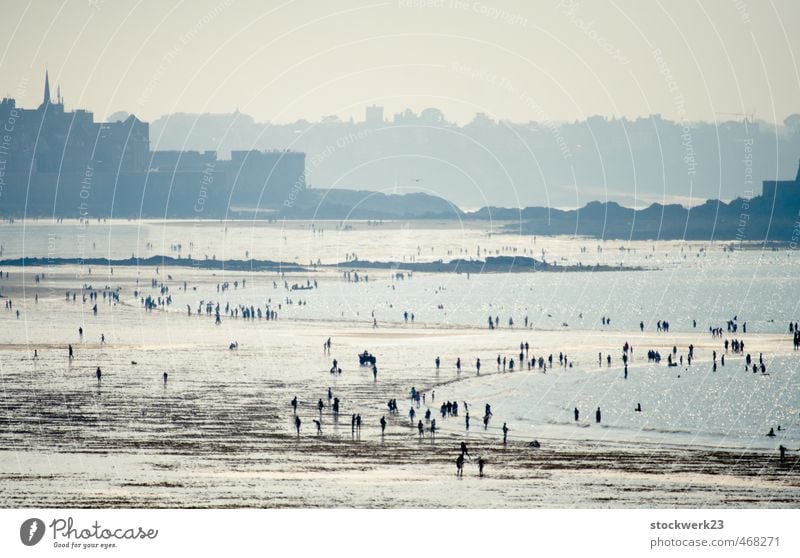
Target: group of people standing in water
(423,422)
(793,329)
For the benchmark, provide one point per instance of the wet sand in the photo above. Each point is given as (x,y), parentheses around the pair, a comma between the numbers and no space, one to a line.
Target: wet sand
(250,469)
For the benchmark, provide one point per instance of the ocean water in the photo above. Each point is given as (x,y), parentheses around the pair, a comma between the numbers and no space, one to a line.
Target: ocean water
(221,430)
(683,282)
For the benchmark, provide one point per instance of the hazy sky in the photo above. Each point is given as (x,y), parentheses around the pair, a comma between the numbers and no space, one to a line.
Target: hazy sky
(518,60)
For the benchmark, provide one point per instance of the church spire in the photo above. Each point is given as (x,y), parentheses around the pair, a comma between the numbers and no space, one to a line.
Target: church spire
(46,100)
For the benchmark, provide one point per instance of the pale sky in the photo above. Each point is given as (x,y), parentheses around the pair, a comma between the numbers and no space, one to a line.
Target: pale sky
(518,60)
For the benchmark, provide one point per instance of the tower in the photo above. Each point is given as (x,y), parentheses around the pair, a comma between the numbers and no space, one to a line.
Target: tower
(46,100)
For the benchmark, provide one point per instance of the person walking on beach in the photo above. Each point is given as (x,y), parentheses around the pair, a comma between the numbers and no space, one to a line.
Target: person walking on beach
(464,450)
(478,365)
(297,424)
(437,362)
(411,414)
(481,464)
(319,426)
(466,420)
(294,405)
(577,414)
(165,376)
(597,415)
(383,425)
(99,374)
(460,465)
(433,429)
(420,429)
(505,433)
(71,354)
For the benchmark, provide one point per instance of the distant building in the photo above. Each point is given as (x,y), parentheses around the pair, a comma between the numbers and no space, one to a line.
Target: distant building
(49,139)
(182,161)
(408,116)
(781,190)
(265,178)
(374,116)
(59,163)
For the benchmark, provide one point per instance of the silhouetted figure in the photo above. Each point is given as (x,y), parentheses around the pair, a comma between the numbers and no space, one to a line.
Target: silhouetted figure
(638,408)
(460,465)
(464,450)
(297,424)
(383,425)
(294,405)
(99,374)
(771,433)
(165,376)
(505,433)
(597,415)
(782,449)
(481,464)
(577,414)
